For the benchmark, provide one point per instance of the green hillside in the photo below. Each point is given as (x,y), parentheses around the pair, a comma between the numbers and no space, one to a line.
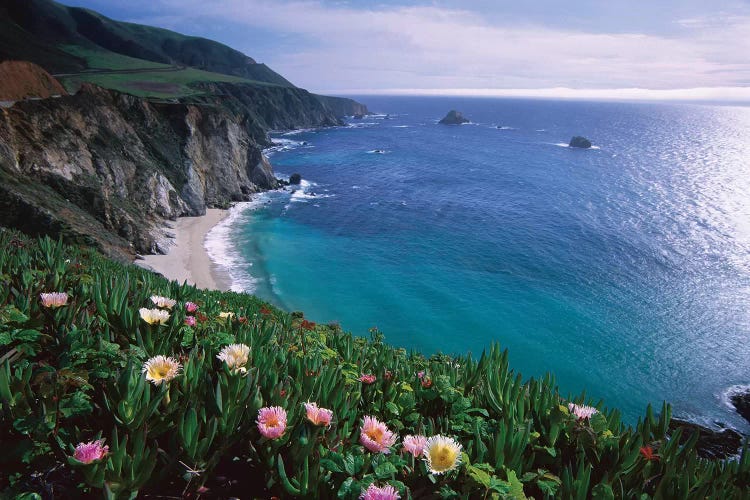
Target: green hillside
(73,40)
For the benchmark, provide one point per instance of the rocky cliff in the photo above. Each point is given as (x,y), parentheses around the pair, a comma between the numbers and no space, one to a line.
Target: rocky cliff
(107,168)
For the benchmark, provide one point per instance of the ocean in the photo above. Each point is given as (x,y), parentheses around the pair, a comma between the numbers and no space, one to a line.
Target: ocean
(623,269)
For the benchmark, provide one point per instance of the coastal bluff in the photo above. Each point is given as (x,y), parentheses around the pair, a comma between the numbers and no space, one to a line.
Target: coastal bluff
(107,169)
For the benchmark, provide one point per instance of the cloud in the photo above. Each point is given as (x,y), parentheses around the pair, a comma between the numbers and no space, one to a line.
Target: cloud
(428,47)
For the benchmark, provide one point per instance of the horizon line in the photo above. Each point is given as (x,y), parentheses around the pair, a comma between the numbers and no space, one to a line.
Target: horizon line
(721,94)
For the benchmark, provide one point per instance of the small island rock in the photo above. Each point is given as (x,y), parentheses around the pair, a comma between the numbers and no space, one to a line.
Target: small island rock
(741,403)
(295,179)
(580,142)
(454,118)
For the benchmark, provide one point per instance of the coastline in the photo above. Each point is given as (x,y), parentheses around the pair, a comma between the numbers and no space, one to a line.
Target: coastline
(187,258)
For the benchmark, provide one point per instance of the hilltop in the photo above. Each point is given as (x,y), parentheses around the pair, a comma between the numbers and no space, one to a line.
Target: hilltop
(22,79)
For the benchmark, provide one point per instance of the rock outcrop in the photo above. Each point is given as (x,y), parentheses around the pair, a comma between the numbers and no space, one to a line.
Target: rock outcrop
(741,403)
(454,118)
(579,142)
(712,444)
(22,80)
(107,168)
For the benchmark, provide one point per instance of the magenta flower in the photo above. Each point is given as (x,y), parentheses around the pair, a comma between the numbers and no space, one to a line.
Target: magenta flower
(367,378)
(91,451)
(191,307)
(582,412)
(386,492)
(190,320)
(318,416)
(272,421)
(420,374)
(375,436)
(415,445)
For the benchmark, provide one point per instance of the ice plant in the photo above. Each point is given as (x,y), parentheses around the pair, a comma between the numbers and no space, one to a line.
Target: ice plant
(386,492)
(375,436)
(190,320)
(54,299)
(161,369)
(582,412)
(367,378)
(91,451)
(165,302)
(272,421)
(154,316)
(442,454)
(318,416)
(415,444)
(235,356)
(191,307)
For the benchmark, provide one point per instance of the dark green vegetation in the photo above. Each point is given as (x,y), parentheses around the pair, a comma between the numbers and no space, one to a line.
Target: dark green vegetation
(71,40)
(73,373)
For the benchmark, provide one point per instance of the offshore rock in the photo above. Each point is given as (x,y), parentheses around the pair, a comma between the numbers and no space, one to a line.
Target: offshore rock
(712,444)
(579,142)
(454,118)
(741,403)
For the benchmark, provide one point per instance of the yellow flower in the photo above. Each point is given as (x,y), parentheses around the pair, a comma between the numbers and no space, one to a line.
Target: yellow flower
(225,315)
(235,356)
(153,316)
(442,454)
(161,369)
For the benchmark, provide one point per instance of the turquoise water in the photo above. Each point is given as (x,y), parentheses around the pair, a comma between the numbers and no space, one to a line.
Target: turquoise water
(624,269)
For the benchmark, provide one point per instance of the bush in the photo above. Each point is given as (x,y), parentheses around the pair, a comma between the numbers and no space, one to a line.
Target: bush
(74,373)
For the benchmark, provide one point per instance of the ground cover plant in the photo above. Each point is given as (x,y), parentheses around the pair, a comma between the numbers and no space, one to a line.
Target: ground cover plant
(116,382)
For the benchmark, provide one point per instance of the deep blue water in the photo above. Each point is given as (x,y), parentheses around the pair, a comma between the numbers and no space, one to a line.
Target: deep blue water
(624,270)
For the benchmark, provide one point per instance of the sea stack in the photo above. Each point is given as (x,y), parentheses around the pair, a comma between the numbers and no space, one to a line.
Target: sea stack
(295,179)
(580,142)
(454,118)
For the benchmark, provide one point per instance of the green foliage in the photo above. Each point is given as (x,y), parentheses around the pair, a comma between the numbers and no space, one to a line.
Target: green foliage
(73,374)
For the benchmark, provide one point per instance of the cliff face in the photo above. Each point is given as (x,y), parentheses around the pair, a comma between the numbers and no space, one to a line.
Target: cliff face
(22,79)
(107,168)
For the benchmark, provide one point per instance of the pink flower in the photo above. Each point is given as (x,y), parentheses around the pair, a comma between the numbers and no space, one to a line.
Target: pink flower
(191,307)
(375,436)
(55,299)
(190,320)
(367,378)
(91,451)
(272,421)
(318,416)
(387,492)
(420,374)
(415,444)
(582,412)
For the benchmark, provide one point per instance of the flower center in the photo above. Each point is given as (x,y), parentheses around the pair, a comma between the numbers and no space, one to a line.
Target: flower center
(375,434)
(442,458)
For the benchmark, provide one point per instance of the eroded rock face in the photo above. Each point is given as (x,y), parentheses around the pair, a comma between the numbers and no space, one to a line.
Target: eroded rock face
(741,403)
(111,167)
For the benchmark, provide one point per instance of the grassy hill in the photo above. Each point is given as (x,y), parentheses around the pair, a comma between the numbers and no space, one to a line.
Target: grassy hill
(83,45)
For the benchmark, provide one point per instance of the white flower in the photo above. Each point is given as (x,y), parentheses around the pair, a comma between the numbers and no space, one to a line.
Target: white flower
(154,316)
(161,369)
(442,454)
(582,412)
(235,356)
(165,302)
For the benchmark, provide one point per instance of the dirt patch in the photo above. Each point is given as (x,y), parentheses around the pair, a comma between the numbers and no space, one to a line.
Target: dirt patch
(22,79)
(166,88)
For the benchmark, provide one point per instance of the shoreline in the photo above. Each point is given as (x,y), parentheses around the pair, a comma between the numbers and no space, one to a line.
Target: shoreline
(187,258)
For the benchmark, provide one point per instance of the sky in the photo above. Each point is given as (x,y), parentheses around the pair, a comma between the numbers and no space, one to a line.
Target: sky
(656,49)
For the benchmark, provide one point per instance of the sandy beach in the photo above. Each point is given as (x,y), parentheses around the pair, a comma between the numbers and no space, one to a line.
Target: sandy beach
(187,259)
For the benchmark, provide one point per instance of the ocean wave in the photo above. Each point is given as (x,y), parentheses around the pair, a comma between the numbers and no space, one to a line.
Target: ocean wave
(282,144)
(566,145)
(401,126)
(222,252)
(378,151)
(505,127)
